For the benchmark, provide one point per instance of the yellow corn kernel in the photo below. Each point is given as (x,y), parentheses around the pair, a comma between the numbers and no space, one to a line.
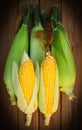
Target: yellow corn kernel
(48,67)
(27,79)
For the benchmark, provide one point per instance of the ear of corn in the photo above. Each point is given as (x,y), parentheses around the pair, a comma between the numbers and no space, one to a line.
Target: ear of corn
(25,86)
(49,88)
(19,45)
(37,52)
(61,49)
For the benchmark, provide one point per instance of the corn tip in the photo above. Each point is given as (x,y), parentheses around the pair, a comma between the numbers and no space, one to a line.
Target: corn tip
(70,95)
(13,100)
(28,120)
(47,119)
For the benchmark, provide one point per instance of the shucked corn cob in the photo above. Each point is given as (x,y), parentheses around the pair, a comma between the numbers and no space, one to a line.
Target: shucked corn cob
(61,49)
(19,45)
(25,85)
(27,79)
(49,87)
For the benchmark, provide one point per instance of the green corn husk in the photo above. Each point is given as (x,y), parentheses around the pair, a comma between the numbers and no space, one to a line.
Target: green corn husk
(37,51)
(27,108)
(61,49)
(19,45)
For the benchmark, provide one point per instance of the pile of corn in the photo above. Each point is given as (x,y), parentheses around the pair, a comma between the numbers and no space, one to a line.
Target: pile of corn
(37,69)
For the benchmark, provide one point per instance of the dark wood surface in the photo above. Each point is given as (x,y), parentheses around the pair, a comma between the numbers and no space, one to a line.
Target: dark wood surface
(69,113)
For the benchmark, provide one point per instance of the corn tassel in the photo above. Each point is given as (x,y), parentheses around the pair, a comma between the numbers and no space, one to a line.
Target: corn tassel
(49,88)
(25,85)
(61,49)
(37,52)
(19,45)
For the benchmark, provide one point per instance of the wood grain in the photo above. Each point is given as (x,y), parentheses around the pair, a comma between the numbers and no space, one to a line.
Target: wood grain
(71,21)
(8,113)
(69,114)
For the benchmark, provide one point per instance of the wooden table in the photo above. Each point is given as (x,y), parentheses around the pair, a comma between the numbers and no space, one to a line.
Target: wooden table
(69,113)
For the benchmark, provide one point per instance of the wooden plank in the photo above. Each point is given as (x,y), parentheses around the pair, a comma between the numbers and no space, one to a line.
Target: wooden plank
(70,18)
(55,118)
(76,105)
(47,4)
(77,51)
(34,123)
(66,104)
(71,21)
(66,113)
(8,113)
(80,87)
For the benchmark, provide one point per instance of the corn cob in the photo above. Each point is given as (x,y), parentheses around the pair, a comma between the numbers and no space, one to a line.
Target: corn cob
(25,70)
(61,49)
(19,45)
(49,83)
(49,87)
(25,85)
(37,52)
